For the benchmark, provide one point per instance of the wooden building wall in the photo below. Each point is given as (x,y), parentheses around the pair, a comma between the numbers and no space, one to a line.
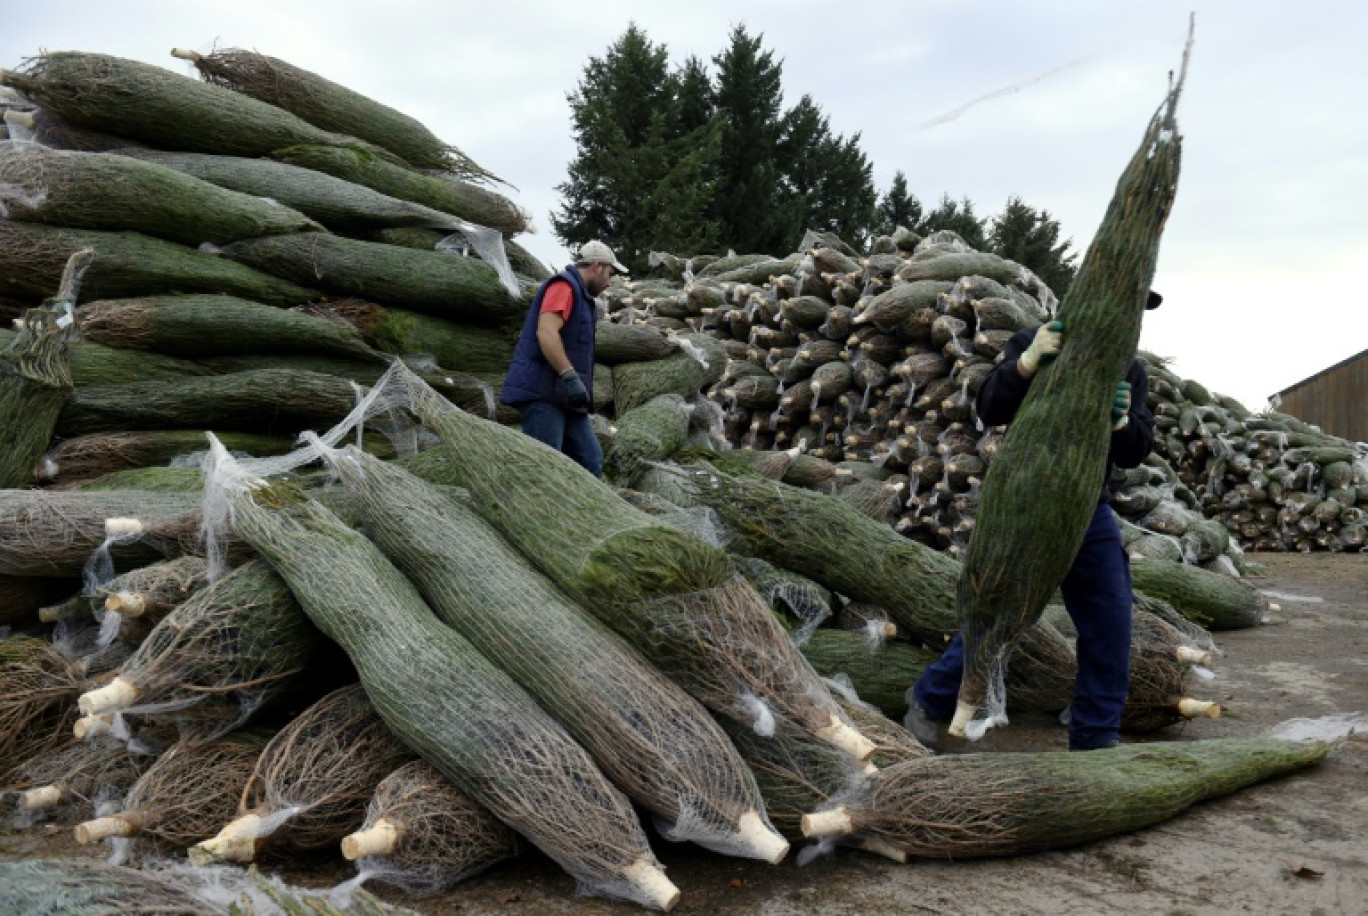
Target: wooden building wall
(1335,399)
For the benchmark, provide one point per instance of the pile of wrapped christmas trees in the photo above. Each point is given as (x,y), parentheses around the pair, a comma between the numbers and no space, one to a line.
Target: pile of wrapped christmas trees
(420,639)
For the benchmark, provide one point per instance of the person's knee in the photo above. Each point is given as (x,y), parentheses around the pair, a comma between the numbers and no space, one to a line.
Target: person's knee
(583,446)
(544,423)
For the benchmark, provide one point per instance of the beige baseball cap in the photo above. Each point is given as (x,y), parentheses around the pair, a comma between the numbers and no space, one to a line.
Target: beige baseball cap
(596,251)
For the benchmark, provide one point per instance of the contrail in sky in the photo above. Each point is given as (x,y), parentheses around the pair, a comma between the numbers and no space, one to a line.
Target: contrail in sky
(998,93)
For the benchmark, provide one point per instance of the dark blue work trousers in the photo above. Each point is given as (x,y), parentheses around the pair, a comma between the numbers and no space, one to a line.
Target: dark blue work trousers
(1097,595)
(566,431)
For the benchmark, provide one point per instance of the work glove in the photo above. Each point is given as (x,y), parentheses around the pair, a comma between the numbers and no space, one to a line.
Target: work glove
(1044,347)
(1121,402)
(576,395)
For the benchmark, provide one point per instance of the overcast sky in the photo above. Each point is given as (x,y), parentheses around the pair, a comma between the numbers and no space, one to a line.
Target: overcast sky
(1263,263)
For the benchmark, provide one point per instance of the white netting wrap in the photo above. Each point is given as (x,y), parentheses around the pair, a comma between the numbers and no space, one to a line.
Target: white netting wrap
(670,594)
(69,782)
(128,606)
(655,741)
(310,784)
(788,593)
(449,703)
(488,247)
(215,659)
(971,805)
(184,796)
(424,834)
(54,533)
(994,709)
(38,705)
(76,886)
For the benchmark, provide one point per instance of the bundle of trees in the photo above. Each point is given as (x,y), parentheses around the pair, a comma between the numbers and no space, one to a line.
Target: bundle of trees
(864,365)
(1275,482)
(248,263)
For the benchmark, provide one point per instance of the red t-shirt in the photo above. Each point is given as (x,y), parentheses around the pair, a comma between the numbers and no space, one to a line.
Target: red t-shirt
(559,299)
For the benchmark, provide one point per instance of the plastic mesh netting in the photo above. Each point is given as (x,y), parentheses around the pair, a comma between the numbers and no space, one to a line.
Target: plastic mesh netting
(424,834)
(450,704)
(185,796)
(655,741)
(214,660)
(38,705)
(968,805)
(76,887)
(311,783)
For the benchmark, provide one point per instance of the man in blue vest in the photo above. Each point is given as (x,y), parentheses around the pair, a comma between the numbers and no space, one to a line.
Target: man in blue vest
(550,380)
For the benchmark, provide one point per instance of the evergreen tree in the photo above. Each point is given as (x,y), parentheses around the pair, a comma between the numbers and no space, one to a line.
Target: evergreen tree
(631,153)
(675,161)
(678,209)
(696,105)
(845,203)
(957,216)
(1031,238)
(748,98)
(898,207)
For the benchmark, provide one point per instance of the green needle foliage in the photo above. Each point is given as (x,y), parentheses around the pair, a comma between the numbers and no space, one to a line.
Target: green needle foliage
(340,205)
(35,382)
(94,363)
(208,325)
(445,700)
(669,593)
(35,377)
(54,532)
(697,363)
(112,192)
(83,887)
(130,264)
(260,401)
(471,202)
(881,673)
(216,659)
(439,283)
(973,805)
(334,108)
(1041,490)
(652,432)
(94,455)
(1210,599)
(650,737)
(162,108)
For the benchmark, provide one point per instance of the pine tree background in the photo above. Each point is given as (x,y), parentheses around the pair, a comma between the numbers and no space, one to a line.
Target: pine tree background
(697,160)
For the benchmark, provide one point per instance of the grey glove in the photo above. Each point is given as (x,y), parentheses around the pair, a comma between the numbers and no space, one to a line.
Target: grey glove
(1044,347)
(576,395)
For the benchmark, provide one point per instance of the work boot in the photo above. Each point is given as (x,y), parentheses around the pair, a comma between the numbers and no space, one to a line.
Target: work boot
(924,728)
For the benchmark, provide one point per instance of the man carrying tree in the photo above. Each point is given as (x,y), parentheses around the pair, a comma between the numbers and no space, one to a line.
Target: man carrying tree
(551,377)
(1097,589)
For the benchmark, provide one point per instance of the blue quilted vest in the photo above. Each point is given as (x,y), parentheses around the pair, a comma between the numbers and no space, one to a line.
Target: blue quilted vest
(530,377)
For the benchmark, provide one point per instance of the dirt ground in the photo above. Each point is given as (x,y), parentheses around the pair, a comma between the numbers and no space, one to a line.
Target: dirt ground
(1294,845)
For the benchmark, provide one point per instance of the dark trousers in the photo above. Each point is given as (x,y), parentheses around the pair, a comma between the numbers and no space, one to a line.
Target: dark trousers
(1097,595)
(564,430)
